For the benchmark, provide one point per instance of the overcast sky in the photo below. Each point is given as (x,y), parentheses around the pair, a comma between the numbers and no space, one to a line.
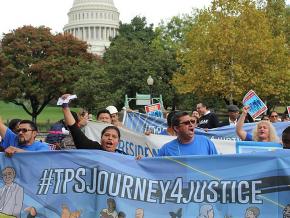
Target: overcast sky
(53,13)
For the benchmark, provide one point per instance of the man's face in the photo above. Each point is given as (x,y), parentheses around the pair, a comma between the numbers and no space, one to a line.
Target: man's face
(105,117)
(233,115)
(200,109)
(274,117)
(26,135)
(8,176)
(115,117)
(185,129)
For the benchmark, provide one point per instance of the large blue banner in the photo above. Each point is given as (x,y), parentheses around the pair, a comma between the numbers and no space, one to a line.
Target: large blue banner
(92,184)
(139,122)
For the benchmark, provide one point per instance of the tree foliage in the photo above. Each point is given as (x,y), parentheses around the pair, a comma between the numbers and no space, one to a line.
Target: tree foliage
(229,50)
(132,57)
(37,66)
(93,87)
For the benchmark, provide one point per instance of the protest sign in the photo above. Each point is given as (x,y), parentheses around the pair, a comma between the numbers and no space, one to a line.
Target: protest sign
(154,110)
(257,106)
(93,184)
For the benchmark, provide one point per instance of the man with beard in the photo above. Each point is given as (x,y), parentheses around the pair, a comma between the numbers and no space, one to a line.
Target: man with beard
(23,141)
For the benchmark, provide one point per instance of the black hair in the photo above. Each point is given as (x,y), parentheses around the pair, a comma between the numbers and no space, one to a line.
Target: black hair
(286,137)
(13,124)
(31,123)
(169,118)
(204,104)
(175,119)
(111,127)
(103,111)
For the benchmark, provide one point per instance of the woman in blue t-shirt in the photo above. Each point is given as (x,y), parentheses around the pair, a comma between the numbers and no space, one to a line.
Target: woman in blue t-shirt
(263,132)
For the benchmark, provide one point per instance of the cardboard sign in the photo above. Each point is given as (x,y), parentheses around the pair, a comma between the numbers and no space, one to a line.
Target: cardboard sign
(154,110)
(257,106)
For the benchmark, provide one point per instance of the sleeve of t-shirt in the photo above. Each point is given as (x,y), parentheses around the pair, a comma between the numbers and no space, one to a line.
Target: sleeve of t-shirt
(9,139)
(161,152)
(81,140)
(212,148)
(249,137)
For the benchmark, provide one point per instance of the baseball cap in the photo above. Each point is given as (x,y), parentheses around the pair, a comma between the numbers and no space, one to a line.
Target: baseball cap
(112,109)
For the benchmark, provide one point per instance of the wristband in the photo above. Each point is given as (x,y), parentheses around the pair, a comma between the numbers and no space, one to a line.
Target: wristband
(64,105)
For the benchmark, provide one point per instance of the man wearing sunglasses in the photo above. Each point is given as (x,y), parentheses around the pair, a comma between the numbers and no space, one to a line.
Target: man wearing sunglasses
(23,139)
(187,143)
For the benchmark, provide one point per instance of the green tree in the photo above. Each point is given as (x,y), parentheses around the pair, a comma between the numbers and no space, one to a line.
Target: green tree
(230,50)
(38,66)
(94,87)
(132,57)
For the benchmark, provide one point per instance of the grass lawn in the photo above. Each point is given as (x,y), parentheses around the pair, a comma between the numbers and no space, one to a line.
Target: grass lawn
(48,116)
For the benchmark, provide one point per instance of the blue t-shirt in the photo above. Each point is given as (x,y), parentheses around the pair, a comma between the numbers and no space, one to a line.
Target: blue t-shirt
(200,145)
(11,139)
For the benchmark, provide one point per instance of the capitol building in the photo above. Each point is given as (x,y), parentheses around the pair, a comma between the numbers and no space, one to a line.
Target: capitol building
(93,21)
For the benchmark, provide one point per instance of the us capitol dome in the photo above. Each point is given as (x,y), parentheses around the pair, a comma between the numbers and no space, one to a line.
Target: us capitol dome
(93,21)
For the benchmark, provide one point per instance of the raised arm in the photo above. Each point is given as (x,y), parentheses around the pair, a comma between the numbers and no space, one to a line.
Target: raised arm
(80,139)
(239,127)
(68,117)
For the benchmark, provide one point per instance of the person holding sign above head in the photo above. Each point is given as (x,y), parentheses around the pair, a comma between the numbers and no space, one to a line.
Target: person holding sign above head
(263,132)
(187,143)
(110,135)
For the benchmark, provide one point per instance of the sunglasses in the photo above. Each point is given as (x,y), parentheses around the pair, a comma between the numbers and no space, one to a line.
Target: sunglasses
(24,130)
(188,122)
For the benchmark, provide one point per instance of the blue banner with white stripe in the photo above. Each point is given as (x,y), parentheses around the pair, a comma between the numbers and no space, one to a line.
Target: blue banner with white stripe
(139,122)
(93,184)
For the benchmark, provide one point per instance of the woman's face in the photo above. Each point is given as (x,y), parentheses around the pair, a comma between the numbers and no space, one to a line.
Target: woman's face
(110,140)
(263,132)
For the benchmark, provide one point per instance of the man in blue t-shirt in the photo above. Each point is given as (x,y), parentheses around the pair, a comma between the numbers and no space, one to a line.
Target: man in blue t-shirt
(23,141)
(187,143)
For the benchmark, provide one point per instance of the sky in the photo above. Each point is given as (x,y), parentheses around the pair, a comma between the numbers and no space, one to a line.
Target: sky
(53,13)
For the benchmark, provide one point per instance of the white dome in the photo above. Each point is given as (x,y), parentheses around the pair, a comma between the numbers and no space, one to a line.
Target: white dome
(82,2)
(94,21)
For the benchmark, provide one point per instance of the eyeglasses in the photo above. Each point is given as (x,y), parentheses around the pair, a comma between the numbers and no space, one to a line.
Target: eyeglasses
(188,122)
(24,130)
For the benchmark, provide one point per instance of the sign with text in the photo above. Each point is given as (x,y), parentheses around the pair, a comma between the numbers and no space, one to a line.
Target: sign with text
(154,110)
(257,106)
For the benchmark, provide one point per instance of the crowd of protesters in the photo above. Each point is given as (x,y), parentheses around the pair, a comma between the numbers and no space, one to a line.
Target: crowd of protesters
(67,133)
